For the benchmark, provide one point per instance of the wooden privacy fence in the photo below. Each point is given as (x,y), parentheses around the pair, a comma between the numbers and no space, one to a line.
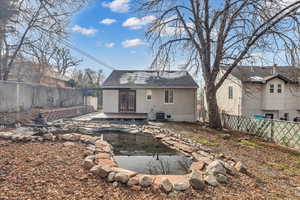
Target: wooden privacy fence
(280,132)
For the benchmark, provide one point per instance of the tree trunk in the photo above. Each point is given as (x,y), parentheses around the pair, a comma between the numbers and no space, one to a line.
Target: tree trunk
(212,106)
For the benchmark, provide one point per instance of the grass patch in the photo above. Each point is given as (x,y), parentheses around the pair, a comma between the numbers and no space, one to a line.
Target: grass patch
(204,141)
(292,172)
(287,169)
(249,143)
(276,165)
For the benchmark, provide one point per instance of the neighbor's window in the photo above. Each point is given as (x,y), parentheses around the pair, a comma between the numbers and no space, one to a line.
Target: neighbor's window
(230,92)
(271,88)
(279,88)
(169,96)
(149,95)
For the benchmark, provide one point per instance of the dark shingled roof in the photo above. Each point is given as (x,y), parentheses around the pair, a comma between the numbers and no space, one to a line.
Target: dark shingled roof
(149,79)
(263,74)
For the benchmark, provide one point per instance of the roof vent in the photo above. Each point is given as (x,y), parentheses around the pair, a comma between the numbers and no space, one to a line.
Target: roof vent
(274,68)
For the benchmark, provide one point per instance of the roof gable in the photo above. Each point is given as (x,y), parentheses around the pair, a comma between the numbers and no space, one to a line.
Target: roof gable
(283,78)
(263,74)
(149,79)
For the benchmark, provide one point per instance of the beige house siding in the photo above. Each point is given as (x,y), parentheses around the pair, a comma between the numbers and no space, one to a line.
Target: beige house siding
(110,101)
(251,99)
(285,102)
(183,108)
(230,106)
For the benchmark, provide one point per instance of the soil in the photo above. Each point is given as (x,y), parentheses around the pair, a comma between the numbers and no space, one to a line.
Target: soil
(52,171)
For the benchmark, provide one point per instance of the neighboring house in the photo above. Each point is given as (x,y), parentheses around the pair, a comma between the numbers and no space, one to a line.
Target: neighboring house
(173,93)
(27,71)
(270,91)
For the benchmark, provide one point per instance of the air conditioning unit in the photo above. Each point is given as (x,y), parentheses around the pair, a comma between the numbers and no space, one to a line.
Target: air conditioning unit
(160,116)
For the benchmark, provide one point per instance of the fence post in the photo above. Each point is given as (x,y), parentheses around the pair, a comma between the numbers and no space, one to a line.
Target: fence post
(238,121)
(272,130)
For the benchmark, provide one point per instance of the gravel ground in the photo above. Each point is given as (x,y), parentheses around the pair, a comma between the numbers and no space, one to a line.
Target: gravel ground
(51,171)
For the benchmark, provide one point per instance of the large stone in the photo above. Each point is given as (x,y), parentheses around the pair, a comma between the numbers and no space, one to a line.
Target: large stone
(108,162)
(230,169)
(225,136)
(216,167)
(121,177)
(133,181)
(111,176)
(146,180)
(88,162)
(221,178)
(201,158)
(103,146)
(101,171)
(70,137)
(49,136)
(88,139)
(211,180)
(160,136)
(115,184)
(165,185)
(181,186)
(184,147)
(102,156)
(6,135)
(199,165)
(128,172)
(239,166)
(69,144)
(197,181)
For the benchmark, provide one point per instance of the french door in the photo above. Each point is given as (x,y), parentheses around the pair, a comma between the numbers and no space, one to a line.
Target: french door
(127,101)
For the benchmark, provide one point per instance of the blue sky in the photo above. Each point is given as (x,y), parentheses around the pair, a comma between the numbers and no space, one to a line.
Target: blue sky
(109,31)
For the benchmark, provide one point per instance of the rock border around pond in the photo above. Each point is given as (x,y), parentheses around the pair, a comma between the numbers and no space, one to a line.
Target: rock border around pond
(207,168)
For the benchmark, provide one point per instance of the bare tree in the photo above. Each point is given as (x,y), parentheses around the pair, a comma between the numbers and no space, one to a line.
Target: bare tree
(87,77)
(210,34)
(41,53)
(63,60)
(35,18)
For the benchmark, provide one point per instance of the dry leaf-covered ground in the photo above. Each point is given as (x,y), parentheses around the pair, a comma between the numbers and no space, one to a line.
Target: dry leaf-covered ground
(51,171)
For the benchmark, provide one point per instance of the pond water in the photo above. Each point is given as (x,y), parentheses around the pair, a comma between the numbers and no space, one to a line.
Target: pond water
(145,154)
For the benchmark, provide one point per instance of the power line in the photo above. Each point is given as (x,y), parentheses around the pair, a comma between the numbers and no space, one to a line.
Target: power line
(86,54)
(68,44)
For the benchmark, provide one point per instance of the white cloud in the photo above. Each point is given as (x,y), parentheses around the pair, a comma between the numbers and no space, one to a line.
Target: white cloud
(138,23)
(84,31)
(109,45)
(132,43)
(120,6)
(108,21)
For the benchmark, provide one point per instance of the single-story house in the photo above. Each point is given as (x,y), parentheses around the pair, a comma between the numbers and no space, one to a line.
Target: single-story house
(171,95)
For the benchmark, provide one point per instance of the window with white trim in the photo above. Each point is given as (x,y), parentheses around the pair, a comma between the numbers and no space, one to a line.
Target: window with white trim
(169,98)
(148,95)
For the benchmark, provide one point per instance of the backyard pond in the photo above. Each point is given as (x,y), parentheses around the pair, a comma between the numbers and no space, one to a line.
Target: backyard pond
(145,154)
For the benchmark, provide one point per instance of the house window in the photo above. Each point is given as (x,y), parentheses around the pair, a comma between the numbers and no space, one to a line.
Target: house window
(269,115)
(279,88)
(169,96)
(286,116)
(271,88)
(149,95)
(230,92)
